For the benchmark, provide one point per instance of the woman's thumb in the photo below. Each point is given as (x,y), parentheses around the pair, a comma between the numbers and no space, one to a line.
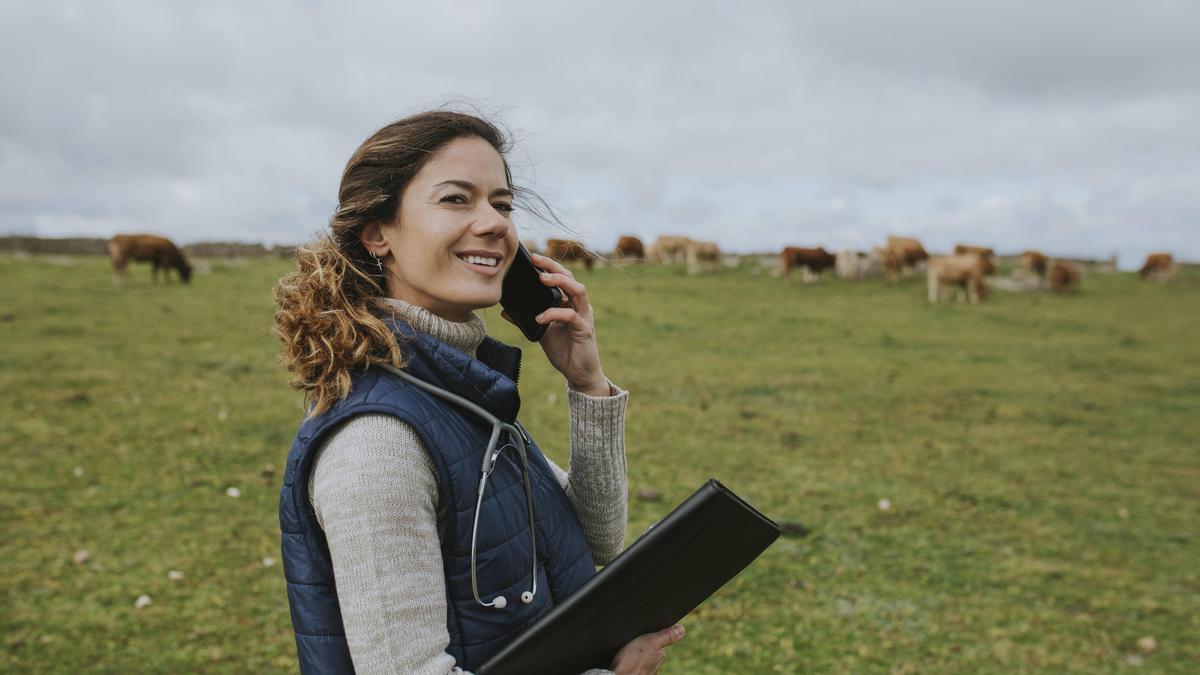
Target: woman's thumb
(669,636)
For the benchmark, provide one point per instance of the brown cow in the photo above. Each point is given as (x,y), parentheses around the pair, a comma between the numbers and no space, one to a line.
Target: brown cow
(667,249)
(984,252)
(564,250)
(629,248)
(813,260)
(1065,276)
(958,271)
(159,251)
(1158,267)
(702,255)
(1035,262)
(899,253)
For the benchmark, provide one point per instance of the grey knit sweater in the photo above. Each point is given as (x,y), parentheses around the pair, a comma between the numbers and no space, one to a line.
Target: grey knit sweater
(374,489)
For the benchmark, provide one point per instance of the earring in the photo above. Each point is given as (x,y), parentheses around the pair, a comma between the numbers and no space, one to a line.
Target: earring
(378,262)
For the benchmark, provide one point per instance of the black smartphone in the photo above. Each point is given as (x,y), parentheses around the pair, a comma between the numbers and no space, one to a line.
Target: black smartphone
(524,296)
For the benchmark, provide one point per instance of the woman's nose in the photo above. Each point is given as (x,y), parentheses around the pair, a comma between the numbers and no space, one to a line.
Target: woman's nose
(492,222)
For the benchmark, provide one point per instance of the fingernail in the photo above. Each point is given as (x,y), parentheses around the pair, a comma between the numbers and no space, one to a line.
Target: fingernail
(539,317)
(678,630)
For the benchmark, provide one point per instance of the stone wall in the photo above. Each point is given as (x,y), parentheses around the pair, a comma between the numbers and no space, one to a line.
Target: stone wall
(98,246)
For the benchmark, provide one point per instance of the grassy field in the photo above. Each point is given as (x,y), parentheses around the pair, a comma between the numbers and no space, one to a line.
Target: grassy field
(1039,454)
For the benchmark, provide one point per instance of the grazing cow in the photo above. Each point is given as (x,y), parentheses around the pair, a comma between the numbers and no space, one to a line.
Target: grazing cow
(853,264)
(958,271)
(899,253)
(702,254)
(1158,267)
(668,249)
(848,263)
(1064,276)
(1035,262)
(563,250)
(984,252)
(158,251)
(629,248)
(813,260)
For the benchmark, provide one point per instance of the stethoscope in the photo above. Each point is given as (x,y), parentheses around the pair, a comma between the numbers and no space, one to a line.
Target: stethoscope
(489,462)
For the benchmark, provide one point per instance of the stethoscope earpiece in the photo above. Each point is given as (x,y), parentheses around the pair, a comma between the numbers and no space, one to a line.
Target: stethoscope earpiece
(527,597)
(500,602)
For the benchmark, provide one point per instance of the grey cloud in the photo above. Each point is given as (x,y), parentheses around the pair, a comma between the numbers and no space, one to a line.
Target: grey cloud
(1072,126)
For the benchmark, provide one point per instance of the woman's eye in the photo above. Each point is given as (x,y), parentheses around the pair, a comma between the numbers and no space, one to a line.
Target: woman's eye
(503,207)
(453,199)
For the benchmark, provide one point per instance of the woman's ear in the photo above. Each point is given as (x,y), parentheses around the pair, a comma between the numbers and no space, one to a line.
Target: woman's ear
(373,240)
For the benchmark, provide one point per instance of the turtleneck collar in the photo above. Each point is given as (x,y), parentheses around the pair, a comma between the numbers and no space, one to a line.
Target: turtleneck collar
(464,336)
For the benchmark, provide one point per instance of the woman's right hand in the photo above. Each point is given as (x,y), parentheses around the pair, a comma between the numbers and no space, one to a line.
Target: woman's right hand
(645,654)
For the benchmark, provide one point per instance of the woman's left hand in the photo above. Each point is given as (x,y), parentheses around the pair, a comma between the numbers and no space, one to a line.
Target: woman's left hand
(570,339)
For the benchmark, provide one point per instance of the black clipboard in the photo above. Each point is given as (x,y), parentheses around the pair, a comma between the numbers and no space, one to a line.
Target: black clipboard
(653,584)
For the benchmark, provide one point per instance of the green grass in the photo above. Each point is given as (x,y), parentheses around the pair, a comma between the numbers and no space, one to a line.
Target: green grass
(1039,452)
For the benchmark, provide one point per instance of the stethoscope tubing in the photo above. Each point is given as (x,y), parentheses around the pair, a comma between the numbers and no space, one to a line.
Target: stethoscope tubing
(489,461)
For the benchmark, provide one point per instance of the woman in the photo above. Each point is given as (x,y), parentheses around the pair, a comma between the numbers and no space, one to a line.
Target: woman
(388,569)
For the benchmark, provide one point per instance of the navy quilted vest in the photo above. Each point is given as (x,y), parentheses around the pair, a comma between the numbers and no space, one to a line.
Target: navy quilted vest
(456,440)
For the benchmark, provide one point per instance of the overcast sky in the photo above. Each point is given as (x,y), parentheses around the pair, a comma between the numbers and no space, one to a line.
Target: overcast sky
(1068,126)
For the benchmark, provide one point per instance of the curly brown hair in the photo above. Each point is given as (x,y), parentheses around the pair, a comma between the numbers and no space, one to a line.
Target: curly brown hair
(330,308)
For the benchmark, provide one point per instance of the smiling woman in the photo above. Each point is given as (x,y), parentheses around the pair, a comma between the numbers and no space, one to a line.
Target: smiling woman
(400,554)
(458,234)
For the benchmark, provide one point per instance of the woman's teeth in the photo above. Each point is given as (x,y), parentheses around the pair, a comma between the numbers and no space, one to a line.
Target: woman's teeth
(479,260)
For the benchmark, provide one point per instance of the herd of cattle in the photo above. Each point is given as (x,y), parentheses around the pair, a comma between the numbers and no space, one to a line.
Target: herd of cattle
(967,270)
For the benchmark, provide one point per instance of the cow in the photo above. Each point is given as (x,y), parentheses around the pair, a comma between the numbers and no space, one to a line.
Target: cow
(158,251)
(848,264)
(985,253)
(1064,276)
(1035,262)
(629,248)
(958,271)
(813,260)
(901,252)
(668,249)
(564,250)
(1158,267)
(702,254)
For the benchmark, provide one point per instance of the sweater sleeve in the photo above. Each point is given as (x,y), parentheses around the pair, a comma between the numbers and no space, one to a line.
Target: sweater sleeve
(374,489)
(596,483)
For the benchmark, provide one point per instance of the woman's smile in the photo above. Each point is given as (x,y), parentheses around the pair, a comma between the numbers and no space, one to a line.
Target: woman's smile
(487,263)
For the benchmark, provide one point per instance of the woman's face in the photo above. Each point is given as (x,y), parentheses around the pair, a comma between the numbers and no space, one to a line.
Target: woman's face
(453,238)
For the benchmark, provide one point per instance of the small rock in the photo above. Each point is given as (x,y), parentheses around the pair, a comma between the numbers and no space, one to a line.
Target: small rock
(78,471)
(233,492)
(793,529)
(142,601)
(222,415)
(81,556)
(1134,660)
(174,575)
(1147,644)
(649,495)
(1122,513)
(268,471)
(268,562)
(885,504)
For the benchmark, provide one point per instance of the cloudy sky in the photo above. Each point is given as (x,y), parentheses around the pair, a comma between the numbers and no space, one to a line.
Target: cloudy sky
(1069,126)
